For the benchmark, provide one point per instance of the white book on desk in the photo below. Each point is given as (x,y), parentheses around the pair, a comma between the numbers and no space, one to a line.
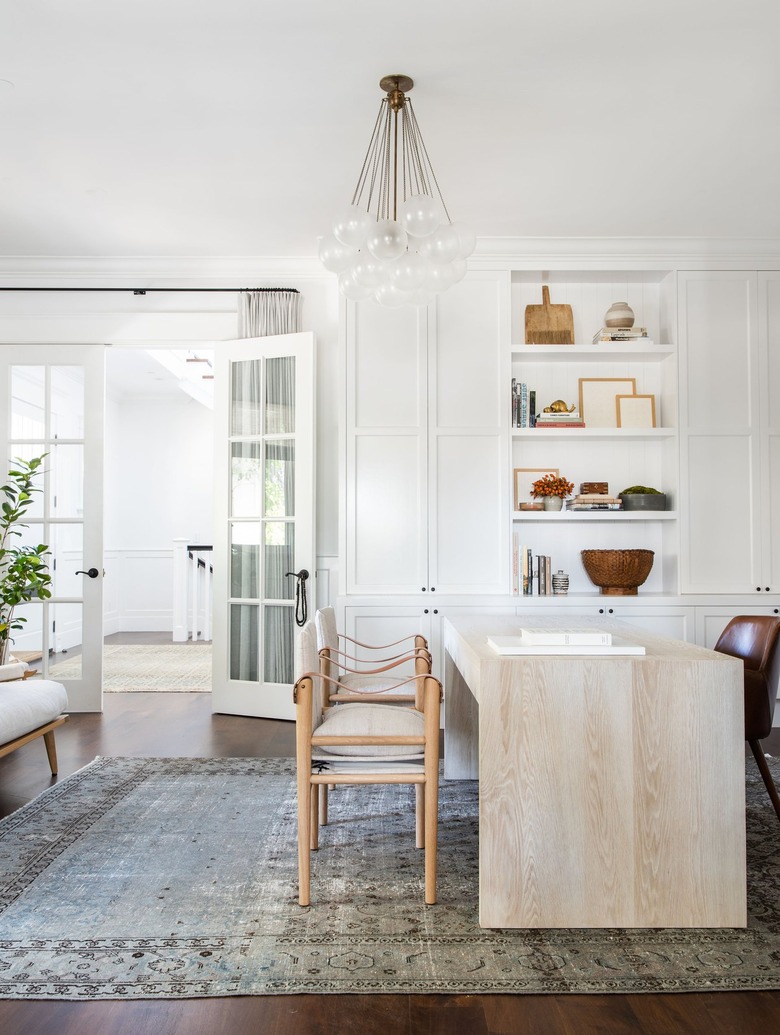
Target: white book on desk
(566,637)
(517,646)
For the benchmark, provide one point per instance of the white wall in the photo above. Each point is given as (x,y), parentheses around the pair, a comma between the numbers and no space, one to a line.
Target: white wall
(158,478)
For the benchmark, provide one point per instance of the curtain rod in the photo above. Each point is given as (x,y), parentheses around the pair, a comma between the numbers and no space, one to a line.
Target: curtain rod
(151,290)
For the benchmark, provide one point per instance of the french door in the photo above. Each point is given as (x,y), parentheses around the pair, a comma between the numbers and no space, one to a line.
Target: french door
(264,519)
(53,399)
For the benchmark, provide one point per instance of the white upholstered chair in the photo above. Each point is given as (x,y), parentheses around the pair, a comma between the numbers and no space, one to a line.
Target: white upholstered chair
(349,737)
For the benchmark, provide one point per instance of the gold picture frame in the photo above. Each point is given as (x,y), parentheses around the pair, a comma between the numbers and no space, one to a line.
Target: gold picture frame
(635,411)
(598,408)
(524,478)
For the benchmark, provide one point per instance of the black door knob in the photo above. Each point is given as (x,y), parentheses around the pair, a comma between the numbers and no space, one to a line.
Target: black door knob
(93,573)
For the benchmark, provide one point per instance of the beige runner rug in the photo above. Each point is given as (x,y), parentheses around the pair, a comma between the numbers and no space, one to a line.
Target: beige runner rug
(178,667)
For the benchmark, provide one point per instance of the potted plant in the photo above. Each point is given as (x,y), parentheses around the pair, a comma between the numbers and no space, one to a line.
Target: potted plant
(23,569)
(641,497)
(552,489)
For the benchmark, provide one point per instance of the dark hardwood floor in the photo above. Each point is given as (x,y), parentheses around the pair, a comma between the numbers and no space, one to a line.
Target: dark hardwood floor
(152,725)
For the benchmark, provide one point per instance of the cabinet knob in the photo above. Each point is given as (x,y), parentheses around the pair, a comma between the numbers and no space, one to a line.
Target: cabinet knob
(435,610)
(425,612)
(433,589)
(423,588)
(767,588)
(601,610)
(758,589)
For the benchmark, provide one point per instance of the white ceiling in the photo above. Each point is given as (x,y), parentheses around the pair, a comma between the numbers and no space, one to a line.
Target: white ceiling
(237,127)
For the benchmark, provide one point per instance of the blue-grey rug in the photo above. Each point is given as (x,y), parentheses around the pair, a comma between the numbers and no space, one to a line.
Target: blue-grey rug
(174,878)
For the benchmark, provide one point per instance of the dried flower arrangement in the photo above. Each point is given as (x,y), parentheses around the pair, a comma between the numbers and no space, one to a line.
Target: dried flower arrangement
(552,485)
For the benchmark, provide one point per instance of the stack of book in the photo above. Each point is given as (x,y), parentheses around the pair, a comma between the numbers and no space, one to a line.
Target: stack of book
(559,420)
(523,405)
(525,572)
(594,501)
(622,334)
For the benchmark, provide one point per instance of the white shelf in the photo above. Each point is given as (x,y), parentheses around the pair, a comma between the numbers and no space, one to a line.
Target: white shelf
(614,433)
(606,352)
(594,515)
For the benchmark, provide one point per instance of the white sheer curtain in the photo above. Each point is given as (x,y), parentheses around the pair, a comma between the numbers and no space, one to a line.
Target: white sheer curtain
(269,311)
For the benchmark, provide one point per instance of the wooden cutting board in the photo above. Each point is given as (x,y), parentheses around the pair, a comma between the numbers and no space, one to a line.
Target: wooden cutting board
(547,324)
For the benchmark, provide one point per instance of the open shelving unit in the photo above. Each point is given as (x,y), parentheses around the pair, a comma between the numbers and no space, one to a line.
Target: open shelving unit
(619,456)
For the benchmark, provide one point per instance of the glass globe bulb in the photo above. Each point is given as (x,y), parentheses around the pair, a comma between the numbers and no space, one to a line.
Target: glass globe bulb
(389,295)
(458,269)
(467,240)
(440,277)
(334,255)
(367,270)
(409,271)
(351,226)
(442,245)
(386,239)
(350,288)
(421,215)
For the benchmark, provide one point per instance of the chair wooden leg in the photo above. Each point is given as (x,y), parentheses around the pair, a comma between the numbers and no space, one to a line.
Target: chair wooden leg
(419,815)
(314,816)
(323,804)
(51,751)
(763,768)
(304,836)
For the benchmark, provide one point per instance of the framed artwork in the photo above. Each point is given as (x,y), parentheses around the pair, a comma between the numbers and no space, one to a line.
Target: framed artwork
(524,479)
(635,411)
(598,406)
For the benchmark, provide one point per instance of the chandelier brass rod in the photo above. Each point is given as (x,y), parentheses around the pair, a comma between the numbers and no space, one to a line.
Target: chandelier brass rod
(366,161)
(428,162)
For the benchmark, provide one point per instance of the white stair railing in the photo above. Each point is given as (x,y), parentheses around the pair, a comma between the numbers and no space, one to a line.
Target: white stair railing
(192,591)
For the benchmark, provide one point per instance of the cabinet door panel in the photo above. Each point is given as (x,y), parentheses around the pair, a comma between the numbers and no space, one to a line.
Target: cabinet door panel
(718,328)
(468,381)
(720,541)
(467,547)
(388,357)
(387,539)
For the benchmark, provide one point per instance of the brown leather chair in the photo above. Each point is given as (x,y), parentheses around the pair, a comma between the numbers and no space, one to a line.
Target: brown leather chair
(756,639)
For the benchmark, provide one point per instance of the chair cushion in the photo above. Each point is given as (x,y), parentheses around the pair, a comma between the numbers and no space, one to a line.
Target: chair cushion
(374,720)
(26,705)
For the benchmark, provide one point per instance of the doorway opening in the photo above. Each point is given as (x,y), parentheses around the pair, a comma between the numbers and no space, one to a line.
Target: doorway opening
(159,434)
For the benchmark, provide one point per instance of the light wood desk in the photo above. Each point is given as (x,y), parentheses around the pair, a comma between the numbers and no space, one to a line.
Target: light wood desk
(612,789)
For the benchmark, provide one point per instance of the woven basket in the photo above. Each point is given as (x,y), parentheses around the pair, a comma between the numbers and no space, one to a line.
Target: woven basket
(618,572)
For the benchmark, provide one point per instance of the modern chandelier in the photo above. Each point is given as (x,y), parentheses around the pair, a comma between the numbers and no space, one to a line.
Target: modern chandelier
(396,242)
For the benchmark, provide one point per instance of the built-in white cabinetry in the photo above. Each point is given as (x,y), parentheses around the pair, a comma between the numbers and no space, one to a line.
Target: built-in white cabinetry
(729,330)
(619,456)
(426,491)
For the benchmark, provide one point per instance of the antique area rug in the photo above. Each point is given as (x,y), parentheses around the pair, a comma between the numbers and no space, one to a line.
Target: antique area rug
(176,878)
(181,667)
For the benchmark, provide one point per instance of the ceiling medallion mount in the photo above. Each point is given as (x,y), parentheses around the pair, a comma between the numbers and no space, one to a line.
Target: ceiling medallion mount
(396,241)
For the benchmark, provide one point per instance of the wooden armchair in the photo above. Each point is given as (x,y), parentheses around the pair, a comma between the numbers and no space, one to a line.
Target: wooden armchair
(349,737)
(363,666)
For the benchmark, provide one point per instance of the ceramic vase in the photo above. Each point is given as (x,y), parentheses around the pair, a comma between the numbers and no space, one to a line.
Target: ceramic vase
(560,583)
(553,502)
(619,314)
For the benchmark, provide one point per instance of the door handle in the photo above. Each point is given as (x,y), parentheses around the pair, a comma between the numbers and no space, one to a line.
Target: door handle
(93,573)
(301,604)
